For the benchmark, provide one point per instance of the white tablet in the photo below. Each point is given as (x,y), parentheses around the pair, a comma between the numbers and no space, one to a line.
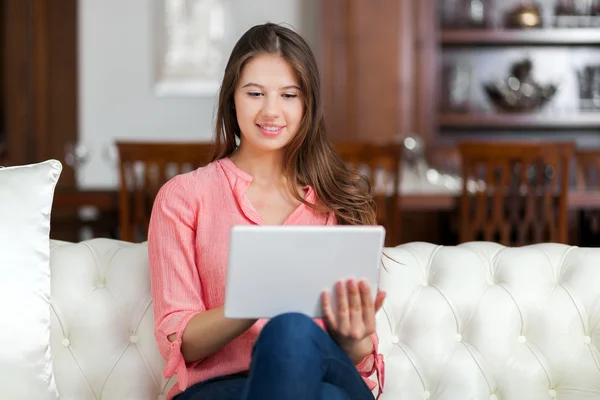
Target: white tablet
(278,269)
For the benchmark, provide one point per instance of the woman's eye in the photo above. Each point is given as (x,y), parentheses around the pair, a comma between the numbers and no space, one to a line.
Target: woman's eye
(290,96)
(254,94)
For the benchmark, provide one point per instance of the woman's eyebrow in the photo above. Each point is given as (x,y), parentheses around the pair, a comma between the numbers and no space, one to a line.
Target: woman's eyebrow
(262,87)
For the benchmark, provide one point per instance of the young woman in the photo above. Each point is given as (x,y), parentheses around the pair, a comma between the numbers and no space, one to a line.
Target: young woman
(273,165)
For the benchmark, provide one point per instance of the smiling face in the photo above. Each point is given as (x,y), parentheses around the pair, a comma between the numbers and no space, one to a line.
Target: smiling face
(268,103)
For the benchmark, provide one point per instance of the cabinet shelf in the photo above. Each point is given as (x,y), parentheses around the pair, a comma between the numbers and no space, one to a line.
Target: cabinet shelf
(495,37)
(584,121)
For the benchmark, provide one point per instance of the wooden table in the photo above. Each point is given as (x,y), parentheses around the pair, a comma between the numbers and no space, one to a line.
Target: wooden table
(67,222)
(103,200)
(107,200)
(420,211)
(578,200)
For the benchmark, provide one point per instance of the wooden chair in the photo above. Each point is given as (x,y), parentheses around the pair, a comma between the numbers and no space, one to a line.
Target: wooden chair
(3,155)
(381,164)
(144,168)
(515,193)
(587,179)
(587,169)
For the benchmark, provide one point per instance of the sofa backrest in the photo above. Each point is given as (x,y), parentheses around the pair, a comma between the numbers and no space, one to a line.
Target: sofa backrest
(476,321)
(102,333)
(482,321)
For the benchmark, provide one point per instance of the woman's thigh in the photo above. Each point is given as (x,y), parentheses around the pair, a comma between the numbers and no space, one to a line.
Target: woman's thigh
(232,388)
(229,387)
(332,392)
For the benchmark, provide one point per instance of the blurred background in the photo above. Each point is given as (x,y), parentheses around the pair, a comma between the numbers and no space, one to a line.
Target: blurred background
(476,119)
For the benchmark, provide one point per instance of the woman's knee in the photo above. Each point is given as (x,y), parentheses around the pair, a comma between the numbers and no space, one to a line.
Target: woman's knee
(288,328)
(291,325)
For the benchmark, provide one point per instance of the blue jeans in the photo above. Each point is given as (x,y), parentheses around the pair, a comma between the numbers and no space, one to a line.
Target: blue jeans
(293,358)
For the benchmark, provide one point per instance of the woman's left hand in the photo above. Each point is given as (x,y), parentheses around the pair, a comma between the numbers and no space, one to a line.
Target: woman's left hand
(354,322)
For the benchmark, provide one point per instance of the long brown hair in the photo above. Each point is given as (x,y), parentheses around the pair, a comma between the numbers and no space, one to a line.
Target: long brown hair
(310,157)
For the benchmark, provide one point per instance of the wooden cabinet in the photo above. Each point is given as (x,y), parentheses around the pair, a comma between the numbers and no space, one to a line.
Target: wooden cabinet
(382,67)
(378,67)
(39,81)
(383,73)
(361,71)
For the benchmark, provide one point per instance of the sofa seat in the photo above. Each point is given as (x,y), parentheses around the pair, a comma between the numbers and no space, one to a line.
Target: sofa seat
(475,321)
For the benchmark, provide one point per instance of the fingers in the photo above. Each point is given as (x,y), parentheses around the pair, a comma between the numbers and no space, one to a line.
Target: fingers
(379,300)
(356,310)
(368,308)
(328,315)
(355,314)
(343,308)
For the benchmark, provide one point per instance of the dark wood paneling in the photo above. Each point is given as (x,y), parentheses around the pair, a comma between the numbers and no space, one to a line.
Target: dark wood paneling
(376,42)
(18,65)
(40,80)
(407,68)
(2,84)
(62,78)
(426,33)
(360,66)
(333,68)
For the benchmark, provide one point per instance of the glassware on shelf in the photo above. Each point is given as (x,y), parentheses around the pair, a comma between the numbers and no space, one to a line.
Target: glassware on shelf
(583,7)
(477,13)
(526,15)
(450,14)
(589,87)
(456,86)
(564,7)
(466,13)
(596,8)
(76,155)
(418,176)
(577,13)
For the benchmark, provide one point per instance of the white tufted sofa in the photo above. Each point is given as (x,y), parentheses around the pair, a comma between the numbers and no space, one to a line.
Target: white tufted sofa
(472,322)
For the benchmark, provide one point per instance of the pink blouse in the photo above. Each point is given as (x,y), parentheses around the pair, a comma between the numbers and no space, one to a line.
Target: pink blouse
(187,244)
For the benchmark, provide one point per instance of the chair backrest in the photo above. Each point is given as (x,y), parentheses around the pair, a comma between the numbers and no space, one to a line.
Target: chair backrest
(144,168)
(587,168)
(587,179)
(515,193)
(3,155)
(381,164)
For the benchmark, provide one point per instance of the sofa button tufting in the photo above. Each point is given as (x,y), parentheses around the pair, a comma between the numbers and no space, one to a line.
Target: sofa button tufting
(552,393)
(458,337)
(587,340)
(493,397)
(100,285)
(66,342)
(522,339)
(134,338)
(426,395)
(395,339)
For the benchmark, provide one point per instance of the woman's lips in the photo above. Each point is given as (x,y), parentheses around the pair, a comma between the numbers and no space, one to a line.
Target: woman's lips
(270,130)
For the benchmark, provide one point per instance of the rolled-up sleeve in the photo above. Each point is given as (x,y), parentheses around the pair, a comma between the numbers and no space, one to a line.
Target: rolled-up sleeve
(373,364)
(176,289)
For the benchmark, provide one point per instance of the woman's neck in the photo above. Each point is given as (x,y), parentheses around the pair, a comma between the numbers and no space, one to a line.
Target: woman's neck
(266,168)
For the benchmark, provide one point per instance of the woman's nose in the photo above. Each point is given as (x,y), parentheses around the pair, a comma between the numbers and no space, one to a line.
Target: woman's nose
(271,107)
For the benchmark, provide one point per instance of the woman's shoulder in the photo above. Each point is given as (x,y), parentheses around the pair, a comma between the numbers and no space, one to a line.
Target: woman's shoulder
(189,185)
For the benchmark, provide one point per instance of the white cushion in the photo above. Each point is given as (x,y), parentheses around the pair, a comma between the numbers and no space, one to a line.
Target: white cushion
(26,195)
